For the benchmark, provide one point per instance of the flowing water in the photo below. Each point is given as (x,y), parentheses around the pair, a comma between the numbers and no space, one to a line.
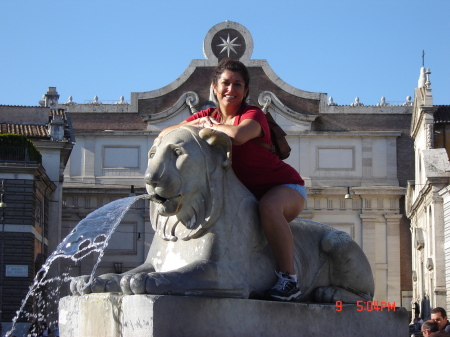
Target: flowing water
(90,235)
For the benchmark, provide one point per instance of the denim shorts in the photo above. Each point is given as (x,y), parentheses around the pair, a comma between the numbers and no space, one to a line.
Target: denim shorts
(300,189)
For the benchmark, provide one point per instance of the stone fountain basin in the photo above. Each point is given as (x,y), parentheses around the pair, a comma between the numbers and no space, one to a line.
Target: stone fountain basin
(114,315)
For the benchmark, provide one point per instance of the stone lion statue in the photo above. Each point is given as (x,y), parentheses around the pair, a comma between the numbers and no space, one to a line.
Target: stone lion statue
(208,240)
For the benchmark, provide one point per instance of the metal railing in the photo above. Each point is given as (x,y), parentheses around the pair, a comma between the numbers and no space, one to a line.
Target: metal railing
(15,153)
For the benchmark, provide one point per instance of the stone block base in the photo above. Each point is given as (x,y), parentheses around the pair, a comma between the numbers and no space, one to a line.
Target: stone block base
(112,315)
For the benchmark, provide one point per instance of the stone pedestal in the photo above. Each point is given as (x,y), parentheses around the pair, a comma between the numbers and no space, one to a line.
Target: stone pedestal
(113,315)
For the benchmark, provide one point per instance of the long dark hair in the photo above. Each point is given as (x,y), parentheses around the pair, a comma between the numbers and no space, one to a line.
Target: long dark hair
(235,66)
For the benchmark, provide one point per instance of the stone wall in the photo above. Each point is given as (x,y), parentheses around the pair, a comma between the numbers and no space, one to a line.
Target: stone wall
(361,121)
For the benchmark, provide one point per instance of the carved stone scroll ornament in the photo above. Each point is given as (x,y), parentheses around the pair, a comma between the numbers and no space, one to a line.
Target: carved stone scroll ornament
(187,100)
(270,102)
(429,135)
(208,239)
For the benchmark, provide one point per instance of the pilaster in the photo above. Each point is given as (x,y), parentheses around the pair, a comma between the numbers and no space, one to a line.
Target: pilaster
(368,229)
(368,241)
(445,194)
(89,158)
(393,256)
(437,249)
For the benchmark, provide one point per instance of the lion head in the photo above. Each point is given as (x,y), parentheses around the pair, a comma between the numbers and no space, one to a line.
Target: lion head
(184,179)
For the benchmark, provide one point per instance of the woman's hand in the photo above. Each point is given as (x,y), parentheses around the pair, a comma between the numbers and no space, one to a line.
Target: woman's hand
(206,121)
(200,123)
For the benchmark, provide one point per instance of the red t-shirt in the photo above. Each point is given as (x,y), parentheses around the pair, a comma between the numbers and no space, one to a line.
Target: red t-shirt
(258,168)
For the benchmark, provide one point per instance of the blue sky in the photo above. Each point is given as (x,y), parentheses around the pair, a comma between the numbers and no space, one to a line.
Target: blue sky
(111,48)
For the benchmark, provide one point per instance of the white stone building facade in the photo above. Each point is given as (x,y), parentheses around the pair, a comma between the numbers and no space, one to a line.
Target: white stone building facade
(428,202)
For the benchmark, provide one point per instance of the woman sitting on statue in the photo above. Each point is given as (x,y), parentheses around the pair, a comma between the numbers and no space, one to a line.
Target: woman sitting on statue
(278,186)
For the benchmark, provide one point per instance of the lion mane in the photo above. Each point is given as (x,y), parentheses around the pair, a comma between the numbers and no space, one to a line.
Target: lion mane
(199,205)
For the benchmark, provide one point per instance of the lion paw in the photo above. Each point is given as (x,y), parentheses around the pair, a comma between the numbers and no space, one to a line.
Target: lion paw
(80,285)
(329,294)
(332,294)
(133,283)
(145,283)
(107,283)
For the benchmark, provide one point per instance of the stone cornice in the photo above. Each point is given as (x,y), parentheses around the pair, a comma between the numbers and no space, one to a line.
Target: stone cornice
(27,171)
(19,167)
(367,110)
(368,217)
(445,190)
(110,133)
(361,191)
(427,194)
(414,207)
(379,190)
(49,144)
(352,134)
(92,190)
(393,217)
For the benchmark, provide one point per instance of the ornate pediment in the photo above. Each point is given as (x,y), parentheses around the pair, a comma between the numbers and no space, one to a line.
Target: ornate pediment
(229,39)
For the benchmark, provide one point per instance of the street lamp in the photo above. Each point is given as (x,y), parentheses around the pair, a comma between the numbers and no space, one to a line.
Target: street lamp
(2,203)
(348,195)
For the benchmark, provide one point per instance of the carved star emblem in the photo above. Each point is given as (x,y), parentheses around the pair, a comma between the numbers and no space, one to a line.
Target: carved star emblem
(228,45)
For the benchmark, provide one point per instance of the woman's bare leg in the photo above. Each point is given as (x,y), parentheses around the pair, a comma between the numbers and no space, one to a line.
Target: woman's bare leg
(279,206)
